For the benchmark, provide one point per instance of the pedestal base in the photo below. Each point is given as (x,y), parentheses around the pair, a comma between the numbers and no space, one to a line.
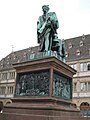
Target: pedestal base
(40,109)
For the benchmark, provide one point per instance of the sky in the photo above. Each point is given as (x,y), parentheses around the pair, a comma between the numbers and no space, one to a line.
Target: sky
(18,21)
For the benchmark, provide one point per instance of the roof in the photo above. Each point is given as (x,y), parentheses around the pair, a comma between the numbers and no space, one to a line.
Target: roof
(78,48)
(17,56)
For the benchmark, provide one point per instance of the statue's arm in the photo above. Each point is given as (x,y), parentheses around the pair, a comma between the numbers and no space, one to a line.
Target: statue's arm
(40,26)
(40,30)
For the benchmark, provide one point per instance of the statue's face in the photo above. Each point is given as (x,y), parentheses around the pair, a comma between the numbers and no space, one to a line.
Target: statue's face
(45,9)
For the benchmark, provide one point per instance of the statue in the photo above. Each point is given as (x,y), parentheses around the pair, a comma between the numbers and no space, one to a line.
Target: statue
(47,26)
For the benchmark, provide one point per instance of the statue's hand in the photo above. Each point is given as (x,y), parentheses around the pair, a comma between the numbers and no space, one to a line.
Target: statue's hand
(48,22)
(42,28)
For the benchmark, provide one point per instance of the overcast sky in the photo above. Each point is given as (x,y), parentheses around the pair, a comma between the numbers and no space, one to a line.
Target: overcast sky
(18,21)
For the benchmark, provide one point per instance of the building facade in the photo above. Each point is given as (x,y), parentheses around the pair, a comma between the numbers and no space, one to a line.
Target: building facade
(78,57)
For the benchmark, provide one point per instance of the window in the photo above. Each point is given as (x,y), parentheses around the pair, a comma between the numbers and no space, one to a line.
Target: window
(11,75)
(89,50)
(66,54)
(85,110)
(81,43)
(2,90)
(88,86)
(85,113)
(10,90)
(83,37)
(89,66)
(1,107)
(75,87)
(7,63)
(84,67)
(89,112)
(24,54)
(83,86)
(4,76)
(81,67)
(74,66)
(2,62)
(70,45)
(78,52)
(0,75)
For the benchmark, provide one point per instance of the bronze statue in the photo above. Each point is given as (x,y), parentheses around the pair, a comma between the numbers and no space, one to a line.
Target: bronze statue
(47,26)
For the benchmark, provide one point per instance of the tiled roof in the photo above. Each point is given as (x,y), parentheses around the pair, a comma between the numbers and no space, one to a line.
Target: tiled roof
(17,56)
(79,44)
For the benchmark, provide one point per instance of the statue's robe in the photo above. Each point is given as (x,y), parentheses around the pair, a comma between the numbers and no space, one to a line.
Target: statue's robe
(47,26)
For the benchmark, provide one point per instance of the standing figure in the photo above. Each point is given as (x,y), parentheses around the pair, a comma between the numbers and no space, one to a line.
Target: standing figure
(47,26)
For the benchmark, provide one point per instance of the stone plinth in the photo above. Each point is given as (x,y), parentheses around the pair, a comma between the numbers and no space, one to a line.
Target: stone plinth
(40,109)
(43,91)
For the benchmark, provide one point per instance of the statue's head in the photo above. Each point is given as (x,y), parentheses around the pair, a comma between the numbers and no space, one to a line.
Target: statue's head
(45,8)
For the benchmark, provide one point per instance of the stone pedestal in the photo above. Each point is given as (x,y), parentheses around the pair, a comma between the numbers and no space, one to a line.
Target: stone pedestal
(43,91)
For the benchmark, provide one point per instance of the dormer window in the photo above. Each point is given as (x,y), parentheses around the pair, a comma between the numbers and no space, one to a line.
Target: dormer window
(70,45)
(78,52)
(2,63)
(66,54)
(8,57)
(83,37)
(32,51)
(29,49)
(24,54)
(14,58)
(18,61)
(7,63)
(81,43)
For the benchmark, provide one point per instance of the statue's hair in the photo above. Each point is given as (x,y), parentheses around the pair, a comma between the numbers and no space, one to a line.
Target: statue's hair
(46,7)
